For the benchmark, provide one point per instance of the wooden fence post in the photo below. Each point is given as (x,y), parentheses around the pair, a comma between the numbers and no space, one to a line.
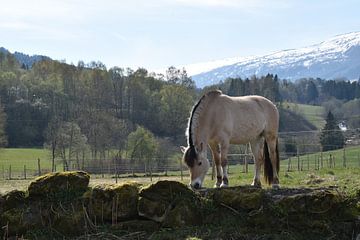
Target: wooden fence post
(289,164)
(181,171)
(308,162)
(321,159)
(298,162)
(24,171)
(344,158)
(39,167)
(116,172)
(10,172)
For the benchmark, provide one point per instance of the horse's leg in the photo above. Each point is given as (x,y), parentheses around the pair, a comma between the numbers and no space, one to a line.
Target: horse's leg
(257,150)
(215,150)
(224,151)
(273,151)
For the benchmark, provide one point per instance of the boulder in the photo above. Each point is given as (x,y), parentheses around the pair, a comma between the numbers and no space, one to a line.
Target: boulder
(12,222)
(114,202)
(13,199)
(170,203)
(239,198)
(59,186)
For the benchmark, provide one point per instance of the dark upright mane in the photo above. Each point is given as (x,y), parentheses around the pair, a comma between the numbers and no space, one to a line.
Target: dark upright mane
(190,140)
(190,154)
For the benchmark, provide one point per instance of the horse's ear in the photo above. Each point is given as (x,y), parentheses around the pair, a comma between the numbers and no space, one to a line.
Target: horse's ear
(183,149)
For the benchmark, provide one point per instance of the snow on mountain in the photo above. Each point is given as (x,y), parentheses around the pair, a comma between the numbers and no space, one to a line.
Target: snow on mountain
(338,57)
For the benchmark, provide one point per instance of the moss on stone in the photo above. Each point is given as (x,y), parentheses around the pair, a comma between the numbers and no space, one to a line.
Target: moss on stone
(239,198)
(113,202)
(59,185)
(137,226)
(13,199)
(171,203)
(70,223)
(13,223)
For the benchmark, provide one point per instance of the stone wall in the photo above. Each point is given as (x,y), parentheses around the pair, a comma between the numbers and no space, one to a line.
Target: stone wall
(65,204)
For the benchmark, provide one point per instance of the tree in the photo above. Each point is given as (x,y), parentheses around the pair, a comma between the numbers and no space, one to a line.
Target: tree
(66,141)
(3,137)
(331,137)
(311,92)
(141,146)
(176,102)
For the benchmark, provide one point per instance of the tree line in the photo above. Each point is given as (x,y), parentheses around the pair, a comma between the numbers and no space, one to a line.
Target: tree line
(74,110)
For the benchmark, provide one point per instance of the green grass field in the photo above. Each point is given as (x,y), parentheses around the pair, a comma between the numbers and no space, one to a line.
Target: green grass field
(314,114)
(312,174)
(18,157)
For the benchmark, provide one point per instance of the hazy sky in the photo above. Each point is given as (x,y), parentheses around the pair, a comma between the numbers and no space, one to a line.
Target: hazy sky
(159,33)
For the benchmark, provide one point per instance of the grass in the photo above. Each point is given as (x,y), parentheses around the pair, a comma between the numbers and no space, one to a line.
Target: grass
(314,114)
(309,177)
(18,157)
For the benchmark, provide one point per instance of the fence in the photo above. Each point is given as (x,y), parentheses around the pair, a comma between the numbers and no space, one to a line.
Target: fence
(306,155)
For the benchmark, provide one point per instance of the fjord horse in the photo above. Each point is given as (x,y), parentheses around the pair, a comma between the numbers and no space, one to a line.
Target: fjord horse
(218,120)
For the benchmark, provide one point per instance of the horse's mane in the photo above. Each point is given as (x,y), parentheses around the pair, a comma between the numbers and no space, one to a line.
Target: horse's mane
(195,112)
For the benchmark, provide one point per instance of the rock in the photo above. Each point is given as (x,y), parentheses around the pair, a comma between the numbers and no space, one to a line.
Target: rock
(59,186)
(12,222)
(13,199)
(239,198)
(171,203)
(309,201)
(70,223)
(113,202)
(137,226)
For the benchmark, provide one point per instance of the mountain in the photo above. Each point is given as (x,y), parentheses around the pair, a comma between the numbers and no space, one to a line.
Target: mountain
(25,59)
(338,57)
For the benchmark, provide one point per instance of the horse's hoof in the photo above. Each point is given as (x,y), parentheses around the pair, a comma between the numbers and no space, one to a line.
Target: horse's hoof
(276,186)
(224,185)
(256,184)
(216,185)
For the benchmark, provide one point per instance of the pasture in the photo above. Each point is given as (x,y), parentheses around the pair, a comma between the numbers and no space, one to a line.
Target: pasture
(303,171)
(314,114)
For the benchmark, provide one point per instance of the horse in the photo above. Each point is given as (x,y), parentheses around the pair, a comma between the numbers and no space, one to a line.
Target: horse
(218,120)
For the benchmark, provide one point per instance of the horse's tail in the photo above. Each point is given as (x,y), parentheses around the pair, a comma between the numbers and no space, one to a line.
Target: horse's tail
(268,167)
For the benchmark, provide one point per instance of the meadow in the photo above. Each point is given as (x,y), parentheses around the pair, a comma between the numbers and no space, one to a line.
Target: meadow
(302,171)
(314,114)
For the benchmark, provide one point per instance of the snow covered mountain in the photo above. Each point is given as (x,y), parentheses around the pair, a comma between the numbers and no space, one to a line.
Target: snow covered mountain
(338,57)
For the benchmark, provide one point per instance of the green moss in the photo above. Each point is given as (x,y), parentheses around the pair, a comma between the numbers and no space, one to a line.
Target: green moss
(137,226)
(112,202)
(69,224)
(239,198)
(171,203)
(59,186)
(13,222)
(13,199)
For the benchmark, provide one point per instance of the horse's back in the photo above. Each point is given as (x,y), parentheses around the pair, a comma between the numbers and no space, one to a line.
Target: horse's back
(242,118)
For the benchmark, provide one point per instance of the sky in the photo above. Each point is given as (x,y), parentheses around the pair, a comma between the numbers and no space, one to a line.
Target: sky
(156,34)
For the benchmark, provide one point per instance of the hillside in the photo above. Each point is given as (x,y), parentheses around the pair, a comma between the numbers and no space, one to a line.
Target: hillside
(313,114)
(338,57)
(25,59)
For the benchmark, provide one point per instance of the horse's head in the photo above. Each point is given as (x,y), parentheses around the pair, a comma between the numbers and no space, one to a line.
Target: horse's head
(198,164)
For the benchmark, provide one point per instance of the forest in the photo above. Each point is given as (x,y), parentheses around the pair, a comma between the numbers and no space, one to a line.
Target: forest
(75,109)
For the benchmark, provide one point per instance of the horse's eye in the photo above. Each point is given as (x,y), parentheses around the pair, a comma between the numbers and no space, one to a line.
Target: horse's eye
(199,163)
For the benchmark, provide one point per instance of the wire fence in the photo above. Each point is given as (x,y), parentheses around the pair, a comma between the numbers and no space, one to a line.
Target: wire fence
(348,157)
(299,151)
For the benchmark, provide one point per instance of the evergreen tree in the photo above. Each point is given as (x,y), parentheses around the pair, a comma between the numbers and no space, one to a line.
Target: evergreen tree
(331,137)
(311,92)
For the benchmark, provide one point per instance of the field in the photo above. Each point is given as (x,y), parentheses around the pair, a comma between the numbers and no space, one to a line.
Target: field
(314,114)
(305,171)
